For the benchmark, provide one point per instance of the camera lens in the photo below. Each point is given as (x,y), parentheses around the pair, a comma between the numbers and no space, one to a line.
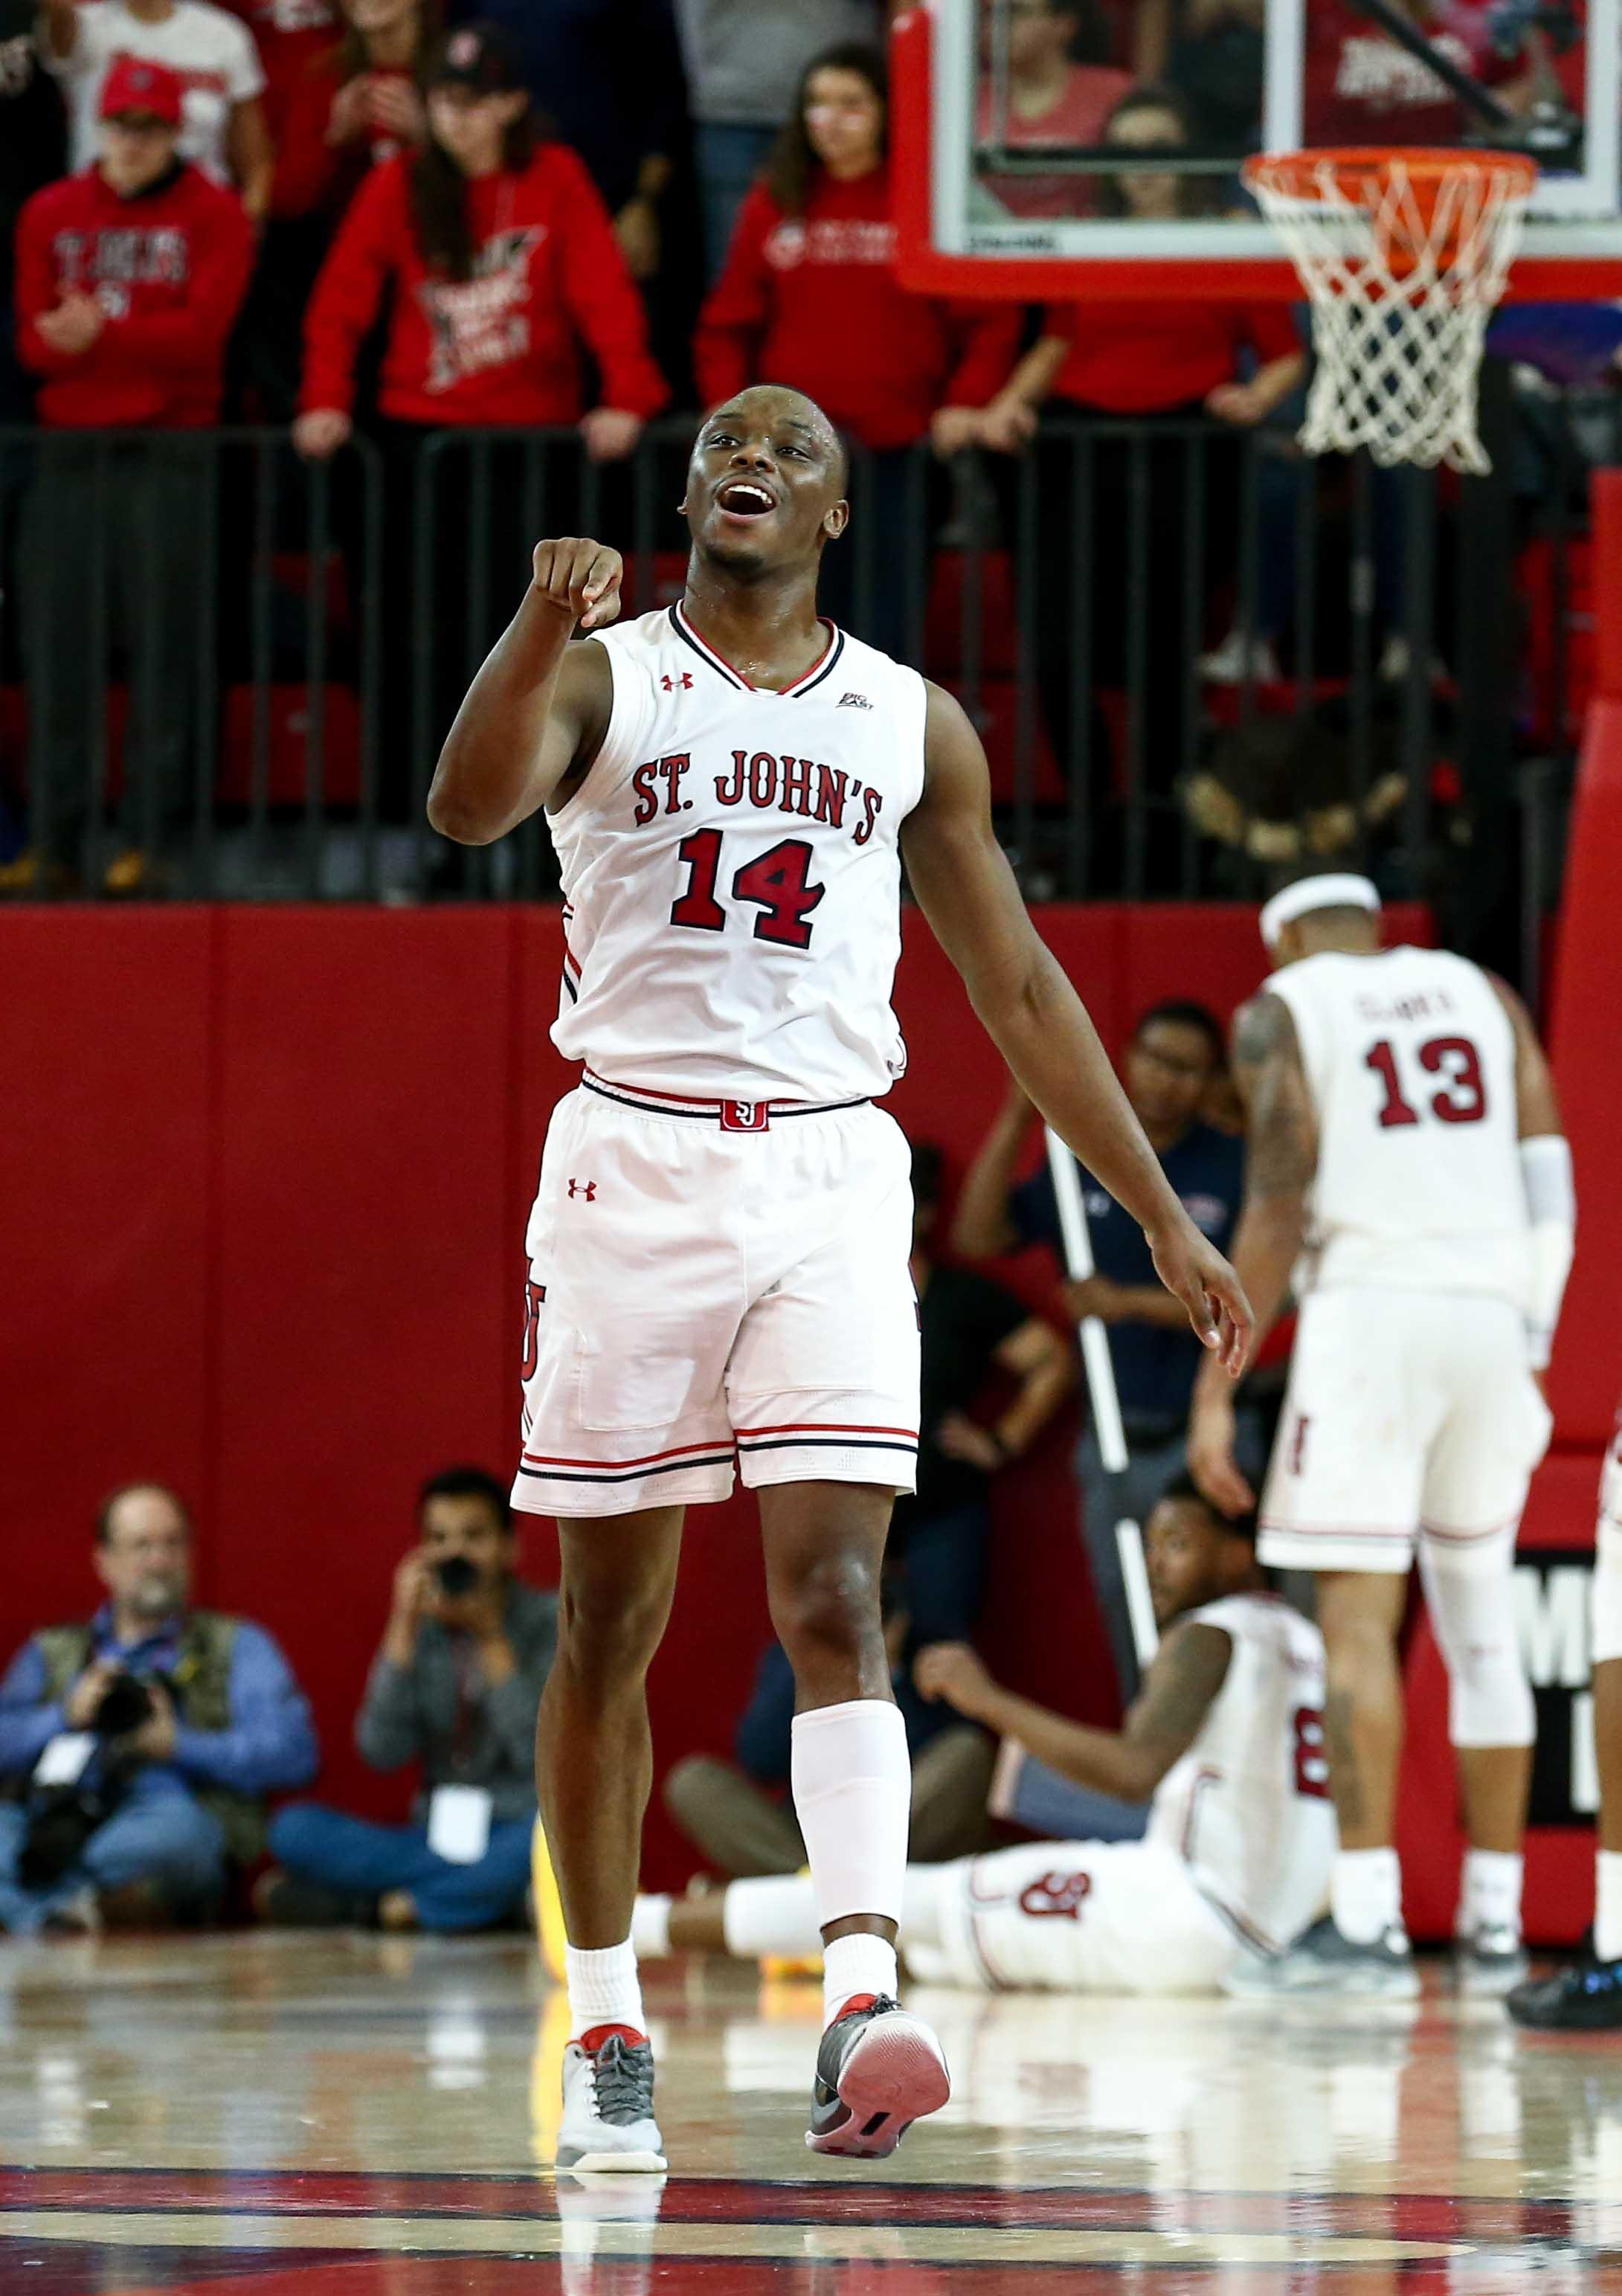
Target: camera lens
(126,1704)
(456,1575)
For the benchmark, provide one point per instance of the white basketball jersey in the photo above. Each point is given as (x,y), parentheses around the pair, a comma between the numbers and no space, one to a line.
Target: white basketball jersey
(1247,1807)
(732,873)
(1410,1056)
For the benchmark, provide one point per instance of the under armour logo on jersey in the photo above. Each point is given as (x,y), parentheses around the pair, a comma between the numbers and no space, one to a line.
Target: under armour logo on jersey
(682,682)
(855,702)
(1056,1896)
(586,1188)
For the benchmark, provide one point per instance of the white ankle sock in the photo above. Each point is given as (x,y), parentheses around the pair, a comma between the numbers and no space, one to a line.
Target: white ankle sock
(1490,1893)
(1608,1905)
(775,1914)
(603,1988)
(851,1966)
(651,1927)
(1366,1893)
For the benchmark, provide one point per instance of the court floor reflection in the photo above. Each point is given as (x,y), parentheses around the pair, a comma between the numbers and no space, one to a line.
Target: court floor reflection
(334,2116)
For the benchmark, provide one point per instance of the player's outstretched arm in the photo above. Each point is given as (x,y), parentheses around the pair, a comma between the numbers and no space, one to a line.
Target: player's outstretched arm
(964,886)
(1179,1690)
(1281,1156)
(536,715)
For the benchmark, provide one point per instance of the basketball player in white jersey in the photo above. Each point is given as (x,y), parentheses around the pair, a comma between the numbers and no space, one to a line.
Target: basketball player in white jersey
(1227,1735)
(1588,1996)
(1403,1131)
(719,1249)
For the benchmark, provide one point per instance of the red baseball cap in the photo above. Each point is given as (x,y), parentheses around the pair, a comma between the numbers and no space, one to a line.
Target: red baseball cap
(133,85)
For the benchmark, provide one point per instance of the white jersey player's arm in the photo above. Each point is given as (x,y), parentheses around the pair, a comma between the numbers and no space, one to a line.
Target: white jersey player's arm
(1164,1720)
(1545,1171)
(1281,1157)
(536,715)
(964,886)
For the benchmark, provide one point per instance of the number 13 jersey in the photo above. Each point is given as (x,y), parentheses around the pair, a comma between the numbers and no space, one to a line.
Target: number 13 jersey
(732,871)
(1410,1058)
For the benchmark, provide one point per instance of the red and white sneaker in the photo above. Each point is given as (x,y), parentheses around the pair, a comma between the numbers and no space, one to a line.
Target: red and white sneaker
(608,2104)
(877,2070)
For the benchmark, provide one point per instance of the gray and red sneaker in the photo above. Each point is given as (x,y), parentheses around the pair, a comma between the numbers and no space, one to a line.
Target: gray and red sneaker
(877,2070)
(608,2120)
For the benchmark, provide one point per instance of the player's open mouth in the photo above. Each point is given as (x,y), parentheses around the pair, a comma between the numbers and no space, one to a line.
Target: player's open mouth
(742,498)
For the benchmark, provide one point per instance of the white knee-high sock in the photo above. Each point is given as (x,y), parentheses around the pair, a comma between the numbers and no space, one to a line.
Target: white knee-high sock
(853,1785)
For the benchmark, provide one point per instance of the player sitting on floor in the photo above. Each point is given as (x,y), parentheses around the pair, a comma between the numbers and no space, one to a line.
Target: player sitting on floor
(1227,1735)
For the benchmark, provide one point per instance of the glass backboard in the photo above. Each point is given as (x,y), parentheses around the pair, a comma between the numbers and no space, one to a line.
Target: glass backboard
(1093,146)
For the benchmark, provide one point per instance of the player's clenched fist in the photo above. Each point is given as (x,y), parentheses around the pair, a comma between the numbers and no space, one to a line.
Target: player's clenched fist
(580,577)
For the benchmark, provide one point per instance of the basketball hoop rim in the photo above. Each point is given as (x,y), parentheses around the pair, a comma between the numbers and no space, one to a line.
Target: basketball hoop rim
(1315,173)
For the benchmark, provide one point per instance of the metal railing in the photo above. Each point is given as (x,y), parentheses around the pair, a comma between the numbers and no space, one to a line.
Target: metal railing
(241,665)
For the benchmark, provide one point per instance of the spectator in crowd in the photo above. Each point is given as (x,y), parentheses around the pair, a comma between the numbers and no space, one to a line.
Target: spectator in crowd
(1164,363)
(746,59)
(298,43)
(608,74)
(454,1687)
(138,1748)
(129,278)
(223,130)
(810,298)
(1361,87)
(343,94)
(504,284)
(505,272)
(1053,97)
(378,110)
(31,155)
(1174,1052)
(741,1818)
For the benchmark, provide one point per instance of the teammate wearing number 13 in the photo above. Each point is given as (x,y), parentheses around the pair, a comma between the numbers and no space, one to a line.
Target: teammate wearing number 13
(1404,1131)
(719,1249)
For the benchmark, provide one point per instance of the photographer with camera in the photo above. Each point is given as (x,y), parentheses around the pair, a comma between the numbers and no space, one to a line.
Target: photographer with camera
(454,1685)
(136,1751)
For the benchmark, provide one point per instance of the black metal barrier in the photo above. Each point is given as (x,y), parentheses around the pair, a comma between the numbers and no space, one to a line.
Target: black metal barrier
(1193,653)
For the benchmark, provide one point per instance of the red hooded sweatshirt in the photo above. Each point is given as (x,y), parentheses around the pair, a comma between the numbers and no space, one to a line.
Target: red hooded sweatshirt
(504,347)
(1146,358)
(169,269)
(813,301)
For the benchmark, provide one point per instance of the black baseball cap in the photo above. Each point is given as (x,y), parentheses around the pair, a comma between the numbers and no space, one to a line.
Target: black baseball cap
(478,56)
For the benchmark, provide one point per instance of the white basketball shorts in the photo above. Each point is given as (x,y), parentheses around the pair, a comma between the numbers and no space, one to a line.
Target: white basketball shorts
(1078,1917)
(709,1280)
(1410,1416)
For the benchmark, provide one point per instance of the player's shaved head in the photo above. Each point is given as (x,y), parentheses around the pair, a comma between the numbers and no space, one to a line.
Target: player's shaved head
(776,404)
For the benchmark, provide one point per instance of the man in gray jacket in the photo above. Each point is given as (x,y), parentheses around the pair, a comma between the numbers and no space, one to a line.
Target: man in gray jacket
(454,1685)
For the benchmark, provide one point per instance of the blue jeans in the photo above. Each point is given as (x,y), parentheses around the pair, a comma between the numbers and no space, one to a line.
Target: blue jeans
(364,1860)
(728,156)
(160,1836)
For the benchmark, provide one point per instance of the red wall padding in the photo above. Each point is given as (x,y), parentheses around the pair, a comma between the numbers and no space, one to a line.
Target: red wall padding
(265,1175)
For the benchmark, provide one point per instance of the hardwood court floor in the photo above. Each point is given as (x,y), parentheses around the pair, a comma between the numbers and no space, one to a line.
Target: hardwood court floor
(330,2116)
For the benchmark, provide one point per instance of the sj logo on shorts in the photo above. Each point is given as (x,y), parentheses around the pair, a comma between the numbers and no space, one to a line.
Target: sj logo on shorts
(1055,1897)
(586,1188)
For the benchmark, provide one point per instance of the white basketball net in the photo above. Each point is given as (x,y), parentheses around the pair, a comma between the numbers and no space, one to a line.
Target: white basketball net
(1403,279)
